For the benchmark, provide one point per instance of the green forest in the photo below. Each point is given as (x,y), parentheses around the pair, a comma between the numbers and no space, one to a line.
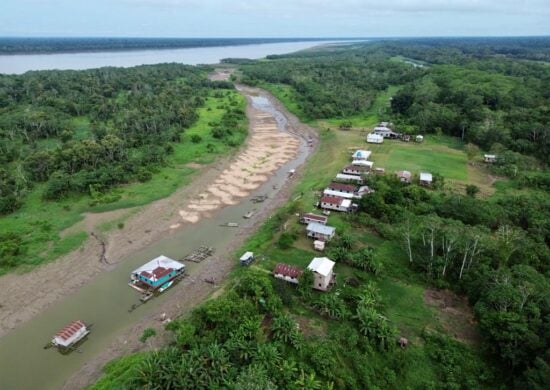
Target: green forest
(70,140)
(467,97)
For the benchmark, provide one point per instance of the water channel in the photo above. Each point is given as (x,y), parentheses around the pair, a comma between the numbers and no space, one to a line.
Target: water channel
(24,364)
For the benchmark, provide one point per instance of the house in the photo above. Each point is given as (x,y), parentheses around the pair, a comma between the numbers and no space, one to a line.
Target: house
(70,335)
(319,245)
(379,171)
(490,158)
(320,232)
(357,169)
(157,272)
(309,217)
(426,179)
(323,269)
(373,138)
(406,138)
(335,203)
(287,273)
(338,194)
(363,190)
(347,188)
(385,132)
(361,154)
(419,138)
(404,176)
(349,178)
(362,163)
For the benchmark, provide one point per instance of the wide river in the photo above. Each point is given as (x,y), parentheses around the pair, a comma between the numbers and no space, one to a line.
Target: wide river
(21,63)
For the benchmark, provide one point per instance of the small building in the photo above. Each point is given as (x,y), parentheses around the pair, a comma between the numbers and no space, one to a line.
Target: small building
(157,273)
(362,163)
(490,158)
(310,217)
(70,335)
(319,245)
(335,203)
(419,138)
(323,269)
(247,258)
(404,176)
(347,188)
(363,190)
(406,138)
(361,154)
(288,273)
(320,232)
(349,178)
(373,138)
(379,171)
(426,179)
(339,194)
(385,132)
(356,169)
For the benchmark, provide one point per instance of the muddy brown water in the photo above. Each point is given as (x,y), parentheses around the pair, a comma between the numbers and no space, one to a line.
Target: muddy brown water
(105,302)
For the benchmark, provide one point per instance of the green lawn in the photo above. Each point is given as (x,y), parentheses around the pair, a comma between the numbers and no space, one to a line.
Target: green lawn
(40,222)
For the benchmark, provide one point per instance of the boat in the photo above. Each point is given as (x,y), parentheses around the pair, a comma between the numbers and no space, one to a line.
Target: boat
(67,338)
(248,215)
(156,276)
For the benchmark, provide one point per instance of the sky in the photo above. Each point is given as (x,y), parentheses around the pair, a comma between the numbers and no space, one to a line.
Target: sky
(274,18)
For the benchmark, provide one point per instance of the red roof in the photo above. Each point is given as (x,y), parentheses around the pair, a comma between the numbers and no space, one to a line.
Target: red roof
(332,200)
(157,273)
(287,270)
(68,331)
(315,217)
(342,187)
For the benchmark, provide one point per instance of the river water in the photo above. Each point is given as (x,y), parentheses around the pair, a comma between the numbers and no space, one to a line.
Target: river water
(24,364)
(21,63)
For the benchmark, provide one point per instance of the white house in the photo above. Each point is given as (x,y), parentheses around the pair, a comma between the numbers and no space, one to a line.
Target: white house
(373,138)
(335,203)
(349,178)
(362,163)
(426,179)
(320,232)
(385,132)
(310,217)
(70,335)
(323,269)
(339,194)
(419,138)
(361,154)
(287,273)
(404,176)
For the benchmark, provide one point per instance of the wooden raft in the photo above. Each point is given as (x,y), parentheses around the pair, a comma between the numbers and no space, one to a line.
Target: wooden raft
(200,254)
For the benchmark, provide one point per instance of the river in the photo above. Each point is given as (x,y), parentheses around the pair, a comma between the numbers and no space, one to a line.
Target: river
(21,63)
(24,364)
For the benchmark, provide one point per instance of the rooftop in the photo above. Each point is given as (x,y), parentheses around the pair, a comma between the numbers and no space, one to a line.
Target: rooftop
(361,154)
(68,331)
(287,270)
(424,176)
(315,217)
(158,267)
(321,229)
(332,199)
(342,187)
(321,265)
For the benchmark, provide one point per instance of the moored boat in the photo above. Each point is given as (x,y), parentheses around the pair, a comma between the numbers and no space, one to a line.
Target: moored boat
(156,276)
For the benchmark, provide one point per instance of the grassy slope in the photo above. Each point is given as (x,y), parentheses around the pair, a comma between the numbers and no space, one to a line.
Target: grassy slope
(41,222)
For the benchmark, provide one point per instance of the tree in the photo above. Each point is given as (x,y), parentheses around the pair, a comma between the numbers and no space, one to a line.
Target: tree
(472,190)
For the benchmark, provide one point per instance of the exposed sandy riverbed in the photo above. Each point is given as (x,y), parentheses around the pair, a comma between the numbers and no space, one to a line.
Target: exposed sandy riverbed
(216,186)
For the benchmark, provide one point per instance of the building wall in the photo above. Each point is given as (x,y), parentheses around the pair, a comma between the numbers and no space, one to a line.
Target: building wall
(321,283)
(159,282)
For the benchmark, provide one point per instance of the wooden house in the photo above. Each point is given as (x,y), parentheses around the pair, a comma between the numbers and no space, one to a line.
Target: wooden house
(320,232)
(323,269)
(310,217)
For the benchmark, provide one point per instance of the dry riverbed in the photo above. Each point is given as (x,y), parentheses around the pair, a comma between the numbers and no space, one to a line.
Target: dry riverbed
(225,182)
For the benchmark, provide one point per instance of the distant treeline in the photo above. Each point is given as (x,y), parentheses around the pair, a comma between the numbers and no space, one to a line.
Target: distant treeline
(65,45)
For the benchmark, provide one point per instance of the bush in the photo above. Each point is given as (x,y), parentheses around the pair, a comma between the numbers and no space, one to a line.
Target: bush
(195,138)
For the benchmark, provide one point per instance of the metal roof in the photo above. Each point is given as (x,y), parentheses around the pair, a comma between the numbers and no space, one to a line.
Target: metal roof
(321,229)
(152,267)
(424,176)
(321,265)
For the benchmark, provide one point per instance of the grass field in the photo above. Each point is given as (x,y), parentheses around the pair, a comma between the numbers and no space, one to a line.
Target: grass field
(40,222)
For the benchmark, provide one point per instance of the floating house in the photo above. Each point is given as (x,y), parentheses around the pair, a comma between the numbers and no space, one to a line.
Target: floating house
(361,154)
(157,275)
(70,335)
(288,273)
(373,138)
(490,158)
(323,269)
(335,203)
(404,176)
(349,178)
(320,232)
(310,217)
(426,179)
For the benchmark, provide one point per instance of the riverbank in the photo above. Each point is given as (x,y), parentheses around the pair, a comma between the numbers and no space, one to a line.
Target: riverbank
(155,222)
